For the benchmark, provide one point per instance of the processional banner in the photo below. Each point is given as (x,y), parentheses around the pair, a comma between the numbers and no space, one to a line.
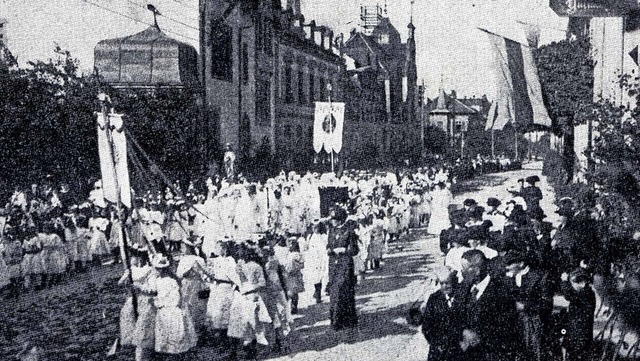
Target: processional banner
(328,127)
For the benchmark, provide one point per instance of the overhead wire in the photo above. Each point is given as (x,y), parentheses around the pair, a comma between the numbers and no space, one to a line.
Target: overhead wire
(164,16)
(136,20)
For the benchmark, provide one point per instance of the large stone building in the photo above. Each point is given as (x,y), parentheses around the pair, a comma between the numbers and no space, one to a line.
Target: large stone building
(265,65)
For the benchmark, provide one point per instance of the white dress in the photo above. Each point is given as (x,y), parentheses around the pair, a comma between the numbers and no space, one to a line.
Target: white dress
(174,329)
(316,259)
(222,290)
(441,198)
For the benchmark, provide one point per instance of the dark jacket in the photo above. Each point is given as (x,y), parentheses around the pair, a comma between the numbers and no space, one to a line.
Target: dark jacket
(493,317)
(442,327)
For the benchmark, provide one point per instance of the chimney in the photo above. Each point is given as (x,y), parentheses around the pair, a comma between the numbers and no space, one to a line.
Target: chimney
(330,40)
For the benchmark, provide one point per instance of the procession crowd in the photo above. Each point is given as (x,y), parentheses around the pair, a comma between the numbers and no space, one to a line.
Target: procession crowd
(503,266)
(226,261)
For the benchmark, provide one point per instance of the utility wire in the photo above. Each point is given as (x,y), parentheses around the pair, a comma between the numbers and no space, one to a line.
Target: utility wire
(136,20)
(169,18)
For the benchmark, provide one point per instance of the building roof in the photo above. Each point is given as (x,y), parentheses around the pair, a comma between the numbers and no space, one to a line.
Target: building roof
(445,103)
(148,58)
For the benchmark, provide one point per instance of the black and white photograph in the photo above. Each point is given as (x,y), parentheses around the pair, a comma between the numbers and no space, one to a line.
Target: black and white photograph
(309,180)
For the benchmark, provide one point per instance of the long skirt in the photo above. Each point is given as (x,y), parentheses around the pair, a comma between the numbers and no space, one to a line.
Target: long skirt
(175,332)
(219,305)
(144,333)
(197,307)
(83,252)
(141,331)
(98,244)
(55,261)
(248,318)
(32,264)
(342,310)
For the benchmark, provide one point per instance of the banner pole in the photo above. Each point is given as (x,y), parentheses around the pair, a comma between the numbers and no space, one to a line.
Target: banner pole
(104,99)
(330,123)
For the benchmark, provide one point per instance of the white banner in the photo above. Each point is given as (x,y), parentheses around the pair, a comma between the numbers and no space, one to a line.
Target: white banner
(328,127)
(113,161)
(107,168)
(120,158)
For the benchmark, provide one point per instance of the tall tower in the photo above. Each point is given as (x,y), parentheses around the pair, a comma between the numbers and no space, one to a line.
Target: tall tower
(295,6)
(410,76)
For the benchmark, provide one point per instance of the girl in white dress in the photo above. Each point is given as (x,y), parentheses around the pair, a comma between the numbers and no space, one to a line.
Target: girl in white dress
(248,314)
(192,274)
(223,283)
(317,260)
(54,256)
(139,332)
(32,265)
(174,329)
(98,244)
(441,198)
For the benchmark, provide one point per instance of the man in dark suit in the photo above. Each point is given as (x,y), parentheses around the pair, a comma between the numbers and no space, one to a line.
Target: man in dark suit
(441,324)
(490,319)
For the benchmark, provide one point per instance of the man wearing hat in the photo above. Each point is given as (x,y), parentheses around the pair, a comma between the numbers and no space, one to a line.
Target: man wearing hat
(531,194)
(574,240)
(456,231)
(497,218)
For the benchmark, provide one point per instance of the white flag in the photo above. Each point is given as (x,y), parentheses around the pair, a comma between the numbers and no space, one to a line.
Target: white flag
(120,158)
(107,168)
(328,127)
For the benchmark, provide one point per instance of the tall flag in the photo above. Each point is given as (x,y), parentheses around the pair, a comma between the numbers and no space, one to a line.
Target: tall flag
(328,127)
(519,94)
(112,150)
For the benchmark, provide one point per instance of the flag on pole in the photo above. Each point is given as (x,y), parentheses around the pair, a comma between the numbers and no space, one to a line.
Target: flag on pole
(519,93)
(328,127)
(113,159)
(120,158)
(107,167)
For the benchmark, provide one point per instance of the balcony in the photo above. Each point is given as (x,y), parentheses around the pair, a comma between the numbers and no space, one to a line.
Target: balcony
(593,8)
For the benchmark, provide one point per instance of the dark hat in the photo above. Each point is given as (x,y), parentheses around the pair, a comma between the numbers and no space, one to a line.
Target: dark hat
(533,179)
(461,238)
(477,212)
(469,202)
(493,202)
(458,217)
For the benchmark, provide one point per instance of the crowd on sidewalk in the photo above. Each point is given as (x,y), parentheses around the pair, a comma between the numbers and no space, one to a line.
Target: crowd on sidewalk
(503,266)
(228,260)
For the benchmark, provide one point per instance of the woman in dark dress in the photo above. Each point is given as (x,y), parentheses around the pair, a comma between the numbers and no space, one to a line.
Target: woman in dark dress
(341,247)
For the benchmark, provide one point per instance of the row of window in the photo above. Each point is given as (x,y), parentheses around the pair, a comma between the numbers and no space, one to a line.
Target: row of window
(306,93)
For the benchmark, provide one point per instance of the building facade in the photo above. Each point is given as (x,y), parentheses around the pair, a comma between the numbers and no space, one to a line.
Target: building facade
(3,33)
(265,65)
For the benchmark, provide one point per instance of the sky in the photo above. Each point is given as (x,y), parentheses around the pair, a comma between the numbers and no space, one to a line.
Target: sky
(451,52)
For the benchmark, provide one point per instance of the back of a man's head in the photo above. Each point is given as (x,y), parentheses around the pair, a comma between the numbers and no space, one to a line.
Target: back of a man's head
(476,258)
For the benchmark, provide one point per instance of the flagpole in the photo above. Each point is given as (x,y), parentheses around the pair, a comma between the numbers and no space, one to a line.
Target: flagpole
(104,99)
(329,88)
(516,133)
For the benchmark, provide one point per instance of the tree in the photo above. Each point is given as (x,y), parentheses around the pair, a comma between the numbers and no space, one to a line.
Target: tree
(47,124)
(565,69)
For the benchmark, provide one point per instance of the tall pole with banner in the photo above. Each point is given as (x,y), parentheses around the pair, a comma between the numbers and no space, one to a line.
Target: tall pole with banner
(115,176)
(328,126)
(329,88)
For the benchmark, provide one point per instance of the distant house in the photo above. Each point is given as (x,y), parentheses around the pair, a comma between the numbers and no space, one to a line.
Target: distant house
(462,120)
